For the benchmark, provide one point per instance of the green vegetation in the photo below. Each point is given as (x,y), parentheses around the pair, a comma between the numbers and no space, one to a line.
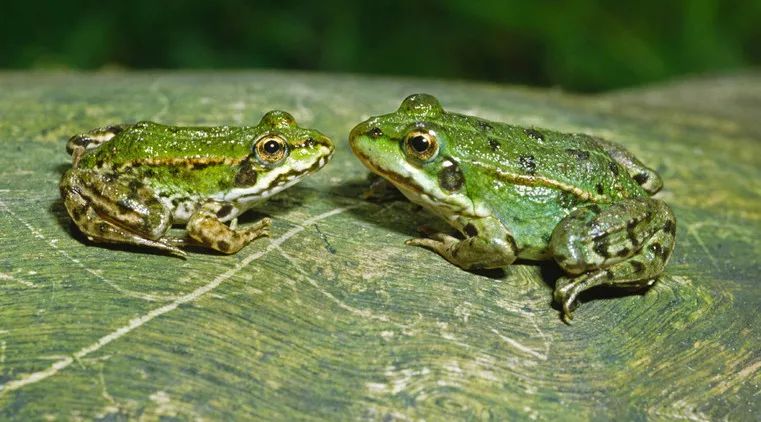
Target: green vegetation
(578,44)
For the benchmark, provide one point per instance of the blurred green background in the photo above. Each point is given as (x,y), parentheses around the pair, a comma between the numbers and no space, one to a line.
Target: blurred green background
(579,45)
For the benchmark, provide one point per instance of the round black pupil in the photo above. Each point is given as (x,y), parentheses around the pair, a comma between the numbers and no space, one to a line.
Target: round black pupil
(271,147)
(419,143)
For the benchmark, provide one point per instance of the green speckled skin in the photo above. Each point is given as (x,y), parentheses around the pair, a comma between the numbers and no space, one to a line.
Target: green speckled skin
(524,193)
(130,183)
(333,318)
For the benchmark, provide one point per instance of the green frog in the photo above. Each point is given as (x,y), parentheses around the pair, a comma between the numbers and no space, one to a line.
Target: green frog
(131,183)
(528,193)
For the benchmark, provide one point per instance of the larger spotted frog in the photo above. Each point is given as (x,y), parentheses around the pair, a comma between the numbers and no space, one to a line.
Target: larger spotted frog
(130,183)
(515,192)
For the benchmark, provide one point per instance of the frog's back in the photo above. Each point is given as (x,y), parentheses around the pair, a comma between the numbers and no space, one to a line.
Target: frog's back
(149,141)
(530,179)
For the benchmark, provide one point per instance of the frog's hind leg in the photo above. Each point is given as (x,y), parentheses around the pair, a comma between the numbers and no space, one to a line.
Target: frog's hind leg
(646,177)
(627,245)
(78,144)
(206,229)
(111,212)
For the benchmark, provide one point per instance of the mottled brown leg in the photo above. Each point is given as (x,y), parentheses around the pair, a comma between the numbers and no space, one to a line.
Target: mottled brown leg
(115,213)
(626,245)
(206,228)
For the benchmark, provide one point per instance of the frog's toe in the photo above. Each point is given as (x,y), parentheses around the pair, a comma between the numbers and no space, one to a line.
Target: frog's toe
(423,242)
(566,291)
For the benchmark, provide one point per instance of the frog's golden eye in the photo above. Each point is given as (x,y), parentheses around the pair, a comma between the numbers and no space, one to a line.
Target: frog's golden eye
(271,149)
(421,144)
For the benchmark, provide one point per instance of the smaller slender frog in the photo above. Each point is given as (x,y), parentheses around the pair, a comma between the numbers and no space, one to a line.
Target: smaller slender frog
(131,183)
(526,193)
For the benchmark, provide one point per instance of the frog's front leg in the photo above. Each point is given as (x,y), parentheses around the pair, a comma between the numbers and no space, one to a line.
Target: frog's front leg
(488,244)
(627,244)
(120,210)
(205,227)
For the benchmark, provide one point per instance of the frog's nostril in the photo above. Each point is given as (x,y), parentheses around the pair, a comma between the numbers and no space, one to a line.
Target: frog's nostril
(375,132)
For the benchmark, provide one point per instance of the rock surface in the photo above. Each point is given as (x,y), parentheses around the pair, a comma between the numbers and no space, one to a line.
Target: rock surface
(333,317)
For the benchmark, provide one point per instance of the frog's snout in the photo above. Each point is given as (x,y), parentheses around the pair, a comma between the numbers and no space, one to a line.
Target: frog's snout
(367,129)
(357,131)
(326,142)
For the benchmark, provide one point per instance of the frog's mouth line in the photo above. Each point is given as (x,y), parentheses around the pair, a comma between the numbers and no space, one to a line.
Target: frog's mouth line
(408,183)
(282,181)
(405,181)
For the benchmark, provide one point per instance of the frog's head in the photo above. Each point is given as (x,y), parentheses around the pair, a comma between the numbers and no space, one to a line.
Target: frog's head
(280,154)
(410,148)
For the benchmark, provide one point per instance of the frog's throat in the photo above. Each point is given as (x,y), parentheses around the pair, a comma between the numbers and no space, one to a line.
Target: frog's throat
(275,180)
(427,193)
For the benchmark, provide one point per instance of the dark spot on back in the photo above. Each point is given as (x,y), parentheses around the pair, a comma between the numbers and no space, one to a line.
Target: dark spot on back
(224,211)
(451,178)
(623,252)
(494,144)
(528,163)
(484,125)
(535,134)
(641,178)
(669,227)
(609,274)
(599,188)
(579,154)
(613,168)
(594,208)
(471,230)
(567,200)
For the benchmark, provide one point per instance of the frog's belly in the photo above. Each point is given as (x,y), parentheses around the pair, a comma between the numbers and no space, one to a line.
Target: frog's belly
(531,220)
(183,207)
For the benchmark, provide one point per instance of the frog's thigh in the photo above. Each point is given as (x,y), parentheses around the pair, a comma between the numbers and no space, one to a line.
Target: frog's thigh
(488,245)
(111,212)
(78,144)
(627,244)
(643,175)
(208,230)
